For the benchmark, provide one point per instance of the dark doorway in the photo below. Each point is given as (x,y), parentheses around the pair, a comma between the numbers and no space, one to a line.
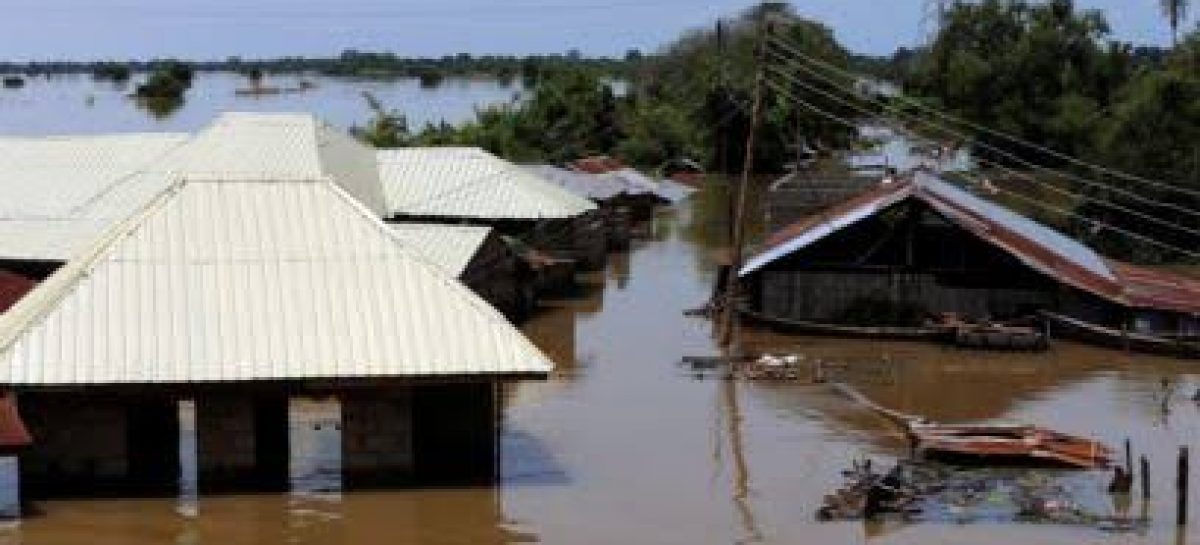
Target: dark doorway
(454,434)
(152,443)
(272,449)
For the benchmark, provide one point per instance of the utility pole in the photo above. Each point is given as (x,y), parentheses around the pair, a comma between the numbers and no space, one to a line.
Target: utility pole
(739,212)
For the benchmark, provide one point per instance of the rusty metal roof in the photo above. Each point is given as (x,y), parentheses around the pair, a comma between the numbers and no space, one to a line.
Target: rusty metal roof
(1037,246)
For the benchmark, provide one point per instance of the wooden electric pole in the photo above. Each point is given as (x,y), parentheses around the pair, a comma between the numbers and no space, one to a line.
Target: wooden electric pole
(739,228)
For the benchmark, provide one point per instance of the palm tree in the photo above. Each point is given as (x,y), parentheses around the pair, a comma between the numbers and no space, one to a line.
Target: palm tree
(1176,12)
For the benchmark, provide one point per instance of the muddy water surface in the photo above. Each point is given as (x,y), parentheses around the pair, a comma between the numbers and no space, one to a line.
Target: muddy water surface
(623,445)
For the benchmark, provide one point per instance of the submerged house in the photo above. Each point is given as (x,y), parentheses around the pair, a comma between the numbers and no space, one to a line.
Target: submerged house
(471,186)
(638,192)
(900,253)
(606,192)
(480,258)
(231,272)
(237,295)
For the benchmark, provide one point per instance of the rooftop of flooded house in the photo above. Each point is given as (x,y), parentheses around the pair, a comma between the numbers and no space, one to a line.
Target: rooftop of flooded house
(450,246)
(459,182)
(1036,245)
(254,250)
(234,280)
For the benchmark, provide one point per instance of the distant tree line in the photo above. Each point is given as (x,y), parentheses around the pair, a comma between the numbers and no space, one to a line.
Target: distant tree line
(689,101)
(351,63)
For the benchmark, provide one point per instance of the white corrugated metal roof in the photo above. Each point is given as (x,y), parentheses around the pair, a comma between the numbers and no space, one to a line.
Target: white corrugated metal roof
(281,146)
(57,194)
(236,281)
(470,183)
(451,246)
(590,186)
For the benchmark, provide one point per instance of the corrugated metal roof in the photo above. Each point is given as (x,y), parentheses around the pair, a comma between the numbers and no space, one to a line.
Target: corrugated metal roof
(458,182)
(607,185)
(1149,288)
(810,229)
(451,246)
(57,194)
(583,184)
(236,281)
(281,146)
(1036,245)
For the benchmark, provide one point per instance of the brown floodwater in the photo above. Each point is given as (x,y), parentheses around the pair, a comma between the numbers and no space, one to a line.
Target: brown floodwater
(623,445)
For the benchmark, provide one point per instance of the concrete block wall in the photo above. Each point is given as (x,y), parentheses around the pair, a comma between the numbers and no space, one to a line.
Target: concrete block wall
(377,437)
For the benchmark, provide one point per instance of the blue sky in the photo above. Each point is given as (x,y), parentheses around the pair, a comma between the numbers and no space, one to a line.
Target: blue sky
(214,29)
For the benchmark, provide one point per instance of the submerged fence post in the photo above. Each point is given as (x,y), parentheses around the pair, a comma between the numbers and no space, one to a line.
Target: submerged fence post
(1181,488)
(1145,478)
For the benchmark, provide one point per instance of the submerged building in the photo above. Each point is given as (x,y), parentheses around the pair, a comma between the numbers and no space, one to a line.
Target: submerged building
(237,295)
(900,253)
(480,258)
(470,186)
(149,279)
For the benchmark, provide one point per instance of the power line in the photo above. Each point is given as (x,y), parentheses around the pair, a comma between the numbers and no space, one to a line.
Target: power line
(1038,203)
(1041,183)
(977,126)
(957,134)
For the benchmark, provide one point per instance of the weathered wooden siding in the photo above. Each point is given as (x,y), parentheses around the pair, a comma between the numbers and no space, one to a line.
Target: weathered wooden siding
(827,296)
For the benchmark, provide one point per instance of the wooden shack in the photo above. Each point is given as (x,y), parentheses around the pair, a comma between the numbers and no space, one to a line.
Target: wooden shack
(899,254)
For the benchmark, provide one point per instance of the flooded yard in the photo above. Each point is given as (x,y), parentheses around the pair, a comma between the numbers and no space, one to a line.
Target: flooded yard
(624,445)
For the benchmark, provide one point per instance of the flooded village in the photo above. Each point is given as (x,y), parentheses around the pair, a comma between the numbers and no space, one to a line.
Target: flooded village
(740,290)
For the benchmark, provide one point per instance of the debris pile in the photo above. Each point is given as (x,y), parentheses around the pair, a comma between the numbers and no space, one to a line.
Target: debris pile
(915,491)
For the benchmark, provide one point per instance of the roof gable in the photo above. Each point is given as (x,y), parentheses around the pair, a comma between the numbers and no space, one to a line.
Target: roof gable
(450,246)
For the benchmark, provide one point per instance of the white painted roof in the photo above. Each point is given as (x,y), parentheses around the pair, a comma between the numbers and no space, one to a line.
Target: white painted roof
(253,280)
(280,146)
(470,183)
(58,194)
(590,186)
(451,246)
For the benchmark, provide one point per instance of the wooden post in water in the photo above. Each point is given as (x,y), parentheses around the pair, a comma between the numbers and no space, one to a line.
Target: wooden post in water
(739,228)
(1128,458)
(1181,488)
(1145,478)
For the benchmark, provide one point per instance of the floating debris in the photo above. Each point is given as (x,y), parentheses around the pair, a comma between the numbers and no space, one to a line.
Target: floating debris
(918,491)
